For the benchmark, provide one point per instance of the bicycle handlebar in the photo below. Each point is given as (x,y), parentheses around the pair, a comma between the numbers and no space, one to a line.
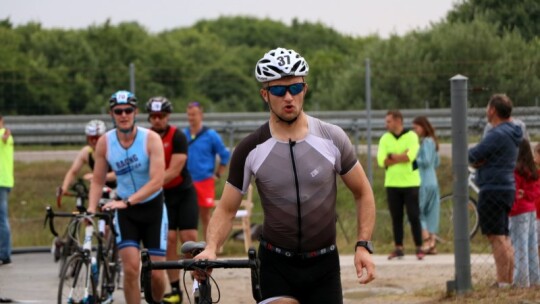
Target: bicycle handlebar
(50,215)
(192,264)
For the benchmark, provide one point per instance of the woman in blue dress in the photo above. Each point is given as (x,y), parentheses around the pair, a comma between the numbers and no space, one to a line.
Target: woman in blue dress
(427,161)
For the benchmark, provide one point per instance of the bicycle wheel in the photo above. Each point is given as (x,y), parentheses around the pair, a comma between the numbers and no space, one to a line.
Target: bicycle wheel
(109,271)
(76,285)
(446,225)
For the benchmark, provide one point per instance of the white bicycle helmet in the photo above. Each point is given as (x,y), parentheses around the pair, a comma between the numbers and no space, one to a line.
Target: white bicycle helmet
(95,128)
(280,63)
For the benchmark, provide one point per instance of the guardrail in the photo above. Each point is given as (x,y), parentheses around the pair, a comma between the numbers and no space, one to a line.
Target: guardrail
(69,129)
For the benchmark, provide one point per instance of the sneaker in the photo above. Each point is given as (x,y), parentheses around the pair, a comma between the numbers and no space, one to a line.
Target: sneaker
(5,262)
(172,297)
(397,253)
(420,254)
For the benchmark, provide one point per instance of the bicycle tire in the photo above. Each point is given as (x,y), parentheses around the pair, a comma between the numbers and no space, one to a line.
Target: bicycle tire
(75,280)
(108,270)
(446,224)
(69,247)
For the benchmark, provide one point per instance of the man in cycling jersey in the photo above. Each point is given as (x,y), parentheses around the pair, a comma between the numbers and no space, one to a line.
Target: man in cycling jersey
(137,158)
(294,159)
(94,129)
(180,195)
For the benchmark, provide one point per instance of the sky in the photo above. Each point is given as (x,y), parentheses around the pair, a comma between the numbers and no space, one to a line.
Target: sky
(351,17)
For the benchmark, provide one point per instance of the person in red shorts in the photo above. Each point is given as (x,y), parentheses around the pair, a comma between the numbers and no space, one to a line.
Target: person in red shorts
(204,145)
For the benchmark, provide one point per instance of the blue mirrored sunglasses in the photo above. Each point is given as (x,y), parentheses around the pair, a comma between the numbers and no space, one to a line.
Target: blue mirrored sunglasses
(281,90)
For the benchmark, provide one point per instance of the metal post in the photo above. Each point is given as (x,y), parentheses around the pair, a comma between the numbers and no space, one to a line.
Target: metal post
(458,95)
(368,117)
(132,77)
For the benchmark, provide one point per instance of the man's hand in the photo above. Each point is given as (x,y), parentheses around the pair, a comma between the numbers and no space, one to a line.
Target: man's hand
(116,204)
(205,255)
(365,268)
(6,135)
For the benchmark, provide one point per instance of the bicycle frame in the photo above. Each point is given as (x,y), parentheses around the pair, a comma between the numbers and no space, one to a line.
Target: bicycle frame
(193,264)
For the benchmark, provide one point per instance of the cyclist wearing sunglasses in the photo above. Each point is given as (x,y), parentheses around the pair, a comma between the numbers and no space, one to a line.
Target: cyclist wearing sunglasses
(294,159)
(136,156)
(180,195)
(94,129)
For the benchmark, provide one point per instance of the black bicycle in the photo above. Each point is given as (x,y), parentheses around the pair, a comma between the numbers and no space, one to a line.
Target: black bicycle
(63,245)
(204,286)
(86,278)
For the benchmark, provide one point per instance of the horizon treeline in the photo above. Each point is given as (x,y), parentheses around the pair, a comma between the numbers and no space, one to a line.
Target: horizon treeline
(61,71)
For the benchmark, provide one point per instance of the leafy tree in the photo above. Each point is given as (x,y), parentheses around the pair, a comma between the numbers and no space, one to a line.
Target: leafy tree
(518,15)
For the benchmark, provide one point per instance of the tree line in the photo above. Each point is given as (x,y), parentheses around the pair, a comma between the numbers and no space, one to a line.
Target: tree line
(59,71)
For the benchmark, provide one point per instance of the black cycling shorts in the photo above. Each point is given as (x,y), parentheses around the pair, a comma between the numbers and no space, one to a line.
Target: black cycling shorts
(308,280)
(143,222)
(182,208)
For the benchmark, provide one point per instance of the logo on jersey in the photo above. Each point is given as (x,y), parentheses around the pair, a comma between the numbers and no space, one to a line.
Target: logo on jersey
(127,165)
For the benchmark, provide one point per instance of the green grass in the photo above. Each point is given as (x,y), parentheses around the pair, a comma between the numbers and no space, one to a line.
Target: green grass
(36,183)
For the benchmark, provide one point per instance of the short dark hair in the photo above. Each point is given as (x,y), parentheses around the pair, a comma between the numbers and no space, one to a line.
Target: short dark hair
(502,105)
(396,114)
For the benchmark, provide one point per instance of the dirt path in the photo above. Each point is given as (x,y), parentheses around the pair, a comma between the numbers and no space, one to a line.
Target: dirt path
(402,281)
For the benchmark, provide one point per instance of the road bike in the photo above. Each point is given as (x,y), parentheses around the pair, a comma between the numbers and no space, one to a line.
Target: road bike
(88,278)
(63,245)
(204,293)
(446,225)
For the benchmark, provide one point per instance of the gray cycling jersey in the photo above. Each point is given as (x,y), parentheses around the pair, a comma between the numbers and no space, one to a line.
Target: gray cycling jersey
(296,182)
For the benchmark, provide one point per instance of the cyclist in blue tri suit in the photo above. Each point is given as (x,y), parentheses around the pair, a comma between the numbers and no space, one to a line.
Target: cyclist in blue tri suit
(136,156)
(295,159)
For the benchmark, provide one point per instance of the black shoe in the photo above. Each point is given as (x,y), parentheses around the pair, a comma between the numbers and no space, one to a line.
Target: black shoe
(5,262)
(397,253)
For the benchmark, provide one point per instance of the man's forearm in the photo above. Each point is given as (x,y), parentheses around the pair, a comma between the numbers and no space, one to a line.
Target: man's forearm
(218,229)
(365,217)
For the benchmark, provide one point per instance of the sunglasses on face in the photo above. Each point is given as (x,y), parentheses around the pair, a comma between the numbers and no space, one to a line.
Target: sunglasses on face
(125,110)
(157,115)
(281,90)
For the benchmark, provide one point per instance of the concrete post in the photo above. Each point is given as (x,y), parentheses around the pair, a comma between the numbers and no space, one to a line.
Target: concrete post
(368,117)
(462,252)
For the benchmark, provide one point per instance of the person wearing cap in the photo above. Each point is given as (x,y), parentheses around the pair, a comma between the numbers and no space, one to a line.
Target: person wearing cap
(295,159)
(180,195)
(136,156)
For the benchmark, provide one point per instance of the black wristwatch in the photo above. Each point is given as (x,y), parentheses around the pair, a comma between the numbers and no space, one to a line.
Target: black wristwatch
(366,244)
(128,203)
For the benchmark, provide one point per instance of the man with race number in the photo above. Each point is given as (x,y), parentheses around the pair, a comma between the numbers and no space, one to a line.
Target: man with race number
(180,195)
(136,156)
(294,159)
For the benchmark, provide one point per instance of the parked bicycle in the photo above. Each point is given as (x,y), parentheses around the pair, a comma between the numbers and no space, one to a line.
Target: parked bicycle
(203,295)
(86,278)
(446,226)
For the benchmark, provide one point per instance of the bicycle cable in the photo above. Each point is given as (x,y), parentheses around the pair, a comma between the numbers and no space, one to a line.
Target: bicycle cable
(209,278)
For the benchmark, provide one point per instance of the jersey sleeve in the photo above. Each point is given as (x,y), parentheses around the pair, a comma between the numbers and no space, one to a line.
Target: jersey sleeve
(179,142)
